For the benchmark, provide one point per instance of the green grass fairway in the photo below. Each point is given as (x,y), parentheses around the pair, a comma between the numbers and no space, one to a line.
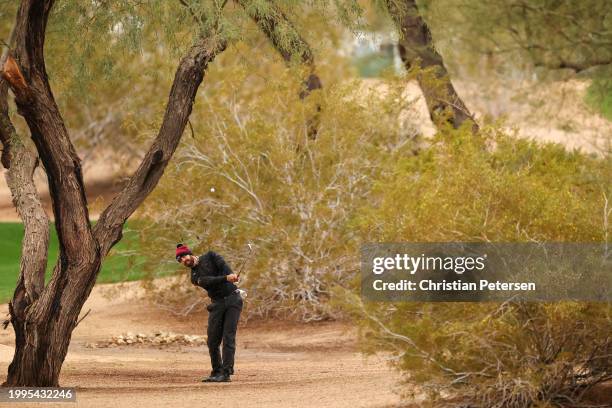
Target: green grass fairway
(116,268)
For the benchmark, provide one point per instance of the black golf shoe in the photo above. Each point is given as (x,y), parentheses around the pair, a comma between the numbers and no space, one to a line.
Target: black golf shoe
(219,378)
(211,376)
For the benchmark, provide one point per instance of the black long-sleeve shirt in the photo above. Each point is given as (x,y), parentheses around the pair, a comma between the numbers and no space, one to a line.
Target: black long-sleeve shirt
(210,273)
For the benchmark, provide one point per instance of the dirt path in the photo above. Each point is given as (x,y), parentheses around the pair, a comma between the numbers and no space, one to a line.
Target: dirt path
(277,364)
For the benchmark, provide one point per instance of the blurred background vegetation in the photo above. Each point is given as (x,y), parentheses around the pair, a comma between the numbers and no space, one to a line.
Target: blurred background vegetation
(536,73)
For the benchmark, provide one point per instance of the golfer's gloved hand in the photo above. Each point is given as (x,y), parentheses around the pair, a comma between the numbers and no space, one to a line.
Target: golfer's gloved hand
(232,277)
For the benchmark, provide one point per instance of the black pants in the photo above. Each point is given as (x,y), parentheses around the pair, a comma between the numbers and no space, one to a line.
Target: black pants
(223,316)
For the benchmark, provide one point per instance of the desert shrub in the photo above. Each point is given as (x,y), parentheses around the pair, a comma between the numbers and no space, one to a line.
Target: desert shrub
(493,355)
(491,188)
(250,174)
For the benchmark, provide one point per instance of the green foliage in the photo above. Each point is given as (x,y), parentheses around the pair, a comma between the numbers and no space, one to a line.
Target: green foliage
(490,188)
(493,355)
(111,63)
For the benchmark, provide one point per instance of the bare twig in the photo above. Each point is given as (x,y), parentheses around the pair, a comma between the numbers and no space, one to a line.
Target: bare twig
(82,318)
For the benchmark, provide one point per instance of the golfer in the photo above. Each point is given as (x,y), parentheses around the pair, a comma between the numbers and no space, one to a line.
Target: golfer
(212,273)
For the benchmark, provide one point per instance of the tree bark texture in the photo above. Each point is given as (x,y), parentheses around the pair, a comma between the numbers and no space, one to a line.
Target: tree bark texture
(416,47)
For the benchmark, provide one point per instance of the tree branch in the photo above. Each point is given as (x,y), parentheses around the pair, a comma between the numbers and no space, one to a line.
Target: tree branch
(574,66)
(416,48)
(289,43)
(82,318)
(20,160)
(187,80)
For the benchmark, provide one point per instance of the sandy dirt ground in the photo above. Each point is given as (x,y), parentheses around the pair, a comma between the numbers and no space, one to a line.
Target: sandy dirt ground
(278,364)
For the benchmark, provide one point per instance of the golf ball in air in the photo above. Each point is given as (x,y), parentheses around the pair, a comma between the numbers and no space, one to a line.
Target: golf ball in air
(212,189)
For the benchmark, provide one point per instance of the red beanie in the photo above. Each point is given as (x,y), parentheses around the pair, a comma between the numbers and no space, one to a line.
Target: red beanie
(182,250)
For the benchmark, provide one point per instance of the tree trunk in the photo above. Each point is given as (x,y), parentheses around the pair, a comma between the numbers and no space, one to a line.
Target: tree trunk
(43,336)
(43,330)
(416,48)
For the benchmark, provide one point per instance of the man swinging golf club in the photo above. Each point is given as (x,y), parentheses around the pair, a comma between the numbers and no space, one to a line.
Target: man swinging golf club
(211,272)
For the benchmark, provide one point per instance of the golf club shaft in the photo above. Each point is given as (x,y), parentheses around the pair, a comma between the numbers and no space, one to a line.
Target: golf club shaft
(245,261)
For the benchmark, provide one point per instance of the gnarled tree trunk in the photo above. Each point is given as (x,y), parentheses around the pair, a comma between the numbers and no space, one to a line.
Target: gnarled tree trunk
(44,324)
(416,47)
